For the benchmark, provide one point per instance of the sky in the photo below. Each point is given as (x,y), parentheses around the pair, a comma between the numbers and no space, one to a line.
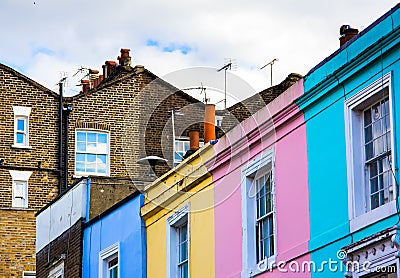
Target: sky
(49,39)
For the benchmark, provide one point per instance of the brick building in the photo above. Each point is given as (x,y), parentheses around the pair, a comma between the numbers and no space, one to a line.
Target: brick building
(28,166)
(121,116)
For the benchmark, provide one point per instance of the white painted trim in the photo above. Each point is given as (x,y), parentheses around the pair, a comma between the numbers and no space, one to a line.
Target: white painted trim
(358,215)
(85,174)
(171,256)
(105,256)
(20,175)
(56,271)
(381,252)
(254,168)
(28,274)
(22,111)
(373,216)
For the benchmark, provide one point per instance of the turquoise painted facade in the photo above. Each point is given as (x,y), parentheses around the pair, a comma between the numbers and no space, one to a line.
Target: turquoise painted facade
(337,172)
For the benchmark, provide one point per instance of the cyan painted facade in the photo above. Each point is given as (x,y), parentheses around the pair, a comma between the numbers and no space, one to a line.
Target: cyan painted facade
(122,229)
(359,71)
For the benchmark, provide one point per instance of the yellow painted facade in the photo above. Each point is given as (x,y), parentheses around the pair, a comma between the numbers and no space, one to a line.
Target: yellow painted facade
(189,184)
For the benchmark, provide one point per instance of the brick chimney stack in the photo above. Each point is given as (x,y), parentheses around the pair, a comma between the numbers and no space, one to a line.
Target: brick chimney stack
(85,85)
(346,34)
(108,68)
(125,59)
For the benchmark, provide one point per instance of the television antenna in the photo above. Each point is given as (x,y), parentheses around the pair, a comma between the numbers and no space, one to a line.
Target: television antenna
(202,91)
(270,64)
(227,66)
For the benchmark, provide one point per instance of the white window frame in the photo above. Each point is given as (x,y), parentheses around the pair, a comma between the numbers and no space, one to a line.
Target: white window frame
(19,177)
(178,219)
(21,113)
(105,256)
(254,169)
(28,274)
(185,140)
(57,271)
(359,215)
(107,153)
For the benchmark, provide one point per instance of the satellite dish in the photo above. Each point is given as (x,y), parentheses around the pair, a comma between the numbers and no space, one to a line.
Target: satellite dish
(152,161)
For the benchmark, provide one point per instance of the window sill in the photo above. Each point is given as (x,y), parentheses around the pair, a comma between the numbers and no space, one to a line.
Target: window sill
(21,147)
(17,209)
(79,175)
(373,216)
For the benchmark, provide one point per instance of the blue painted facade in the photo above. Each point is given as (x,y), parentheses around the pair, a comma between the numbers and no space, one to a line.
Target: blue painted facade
(370,56)
(121,225)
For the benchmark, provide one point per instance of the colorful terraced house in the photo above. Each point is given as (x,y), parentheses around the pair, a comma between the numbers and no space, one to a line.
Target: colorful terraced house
(349,104)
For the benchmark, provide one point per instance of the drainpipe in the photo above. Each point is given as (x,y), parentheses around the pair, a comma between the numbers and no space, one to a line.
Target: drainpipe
(60,133)
(68,110)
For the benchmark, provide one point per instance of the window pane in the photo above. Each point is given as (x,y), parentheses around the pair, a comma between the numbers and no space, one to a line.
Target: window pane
(101,164)
(184,271)
(114,272)
(183,252)
(92,147)
(20,138)
(369,151)
(81,136)
(80,167)
(21,125)
(378,146)
(262,206)
(183,233)
(19,189)
(374,185)
(80,157)
(91,137)
(368,134)
(375,201)
(367,117)
(81,146)
(102,138)
(376,111)
(91,158)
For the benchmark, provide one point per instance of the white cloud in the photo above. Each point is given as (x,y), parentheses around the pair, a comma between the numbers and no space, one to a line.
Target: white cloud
(53,36)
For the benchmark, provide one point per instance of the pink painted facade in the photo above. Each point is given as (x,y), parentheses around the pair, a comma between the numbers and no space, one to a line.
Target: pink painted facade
(285,137)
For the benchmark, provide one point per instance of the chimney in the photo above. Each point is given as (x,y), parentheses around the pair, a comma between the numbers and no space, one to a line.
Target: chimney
(93,76)
(108,68)
(209,123)
(101,78)
(346,34)
(194,136)
(125,59)
(85,85)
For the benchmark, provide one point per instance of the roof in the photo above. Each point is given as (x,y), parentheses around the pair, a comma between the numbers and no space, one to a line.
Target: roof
(122,73)
(28,80)
(249,106)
